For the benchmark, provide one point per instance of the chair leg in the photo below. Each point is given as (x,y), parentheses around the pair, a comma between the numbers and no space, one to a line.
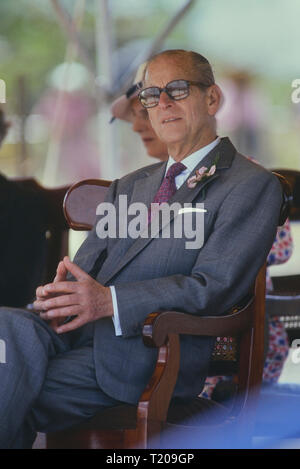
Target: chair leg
(86,439)
(145,436)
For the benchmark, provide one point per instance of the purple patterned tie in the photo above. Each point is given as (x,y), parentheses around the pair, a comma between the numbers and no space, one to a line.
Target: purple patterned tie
(168,186)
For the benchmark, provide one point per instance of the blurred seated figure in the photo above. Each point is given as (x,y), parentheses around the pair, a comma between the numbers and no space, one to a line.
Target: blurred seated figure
(22,238)
(128,108)
(217,387)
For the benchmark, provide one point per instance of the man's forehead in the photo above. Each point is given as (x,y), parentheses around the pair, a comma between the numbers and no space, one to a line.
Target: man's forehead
(165,69)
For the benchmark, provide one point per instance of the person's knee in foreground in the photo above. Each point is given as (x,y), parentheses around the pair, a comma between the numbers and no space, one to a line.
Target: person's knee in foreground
(115,281)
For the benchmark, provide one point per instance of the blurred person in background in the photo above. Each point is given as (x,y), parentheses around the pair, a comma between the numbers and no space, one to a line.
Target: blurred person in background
(244,113)
(129,108)
(70,118)
(22,238)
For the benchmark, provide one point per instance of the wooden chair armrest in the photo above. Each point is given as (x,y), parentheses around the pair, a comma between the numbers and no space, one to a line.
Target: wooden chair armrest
(80,203)
(161,330)
(288,283)
(159,325)
(283,303)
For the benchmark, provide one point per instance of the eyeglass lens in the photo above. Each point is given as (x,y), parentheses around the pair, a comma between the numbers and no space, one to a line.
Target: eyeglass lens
(177,89)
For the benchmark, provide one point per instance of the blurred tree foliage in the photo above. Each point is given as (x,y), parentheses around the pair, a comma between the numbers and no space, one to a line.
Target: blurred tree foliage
(33,44)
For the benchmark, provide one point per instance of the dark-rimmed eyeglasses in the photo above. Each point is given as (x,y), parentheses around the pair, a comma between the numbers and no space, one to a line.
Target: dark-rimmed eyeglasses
(176,89)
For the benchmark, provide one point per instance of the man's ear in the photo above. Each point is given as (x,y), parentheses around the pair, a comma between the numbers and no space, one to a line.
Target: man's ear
(214,98)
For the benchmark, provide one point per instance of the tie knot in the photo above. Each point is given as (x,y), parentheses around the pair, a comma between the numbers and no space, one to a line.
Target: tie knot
(175,169)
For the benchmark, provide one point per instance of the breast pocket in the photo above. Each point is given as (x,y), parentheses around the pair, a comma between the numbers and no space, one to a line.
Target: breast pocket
(193,225)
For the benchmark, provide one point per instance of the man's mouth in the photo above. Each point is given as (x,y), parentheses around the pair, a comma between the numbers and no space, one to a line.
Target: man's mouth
(170,119)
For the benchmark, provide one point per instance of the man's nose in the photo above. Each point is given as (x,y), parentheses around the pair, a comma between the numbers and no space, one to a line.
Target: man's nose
(165,100)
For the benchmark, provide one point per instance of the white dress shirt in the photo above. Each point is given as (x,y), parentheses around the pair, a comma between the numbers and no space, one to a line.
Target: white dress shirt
(190,162)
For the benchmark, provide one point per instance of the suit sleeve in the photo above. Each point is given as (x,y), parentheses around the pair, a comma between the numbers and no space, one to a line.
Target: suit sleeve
(226,266)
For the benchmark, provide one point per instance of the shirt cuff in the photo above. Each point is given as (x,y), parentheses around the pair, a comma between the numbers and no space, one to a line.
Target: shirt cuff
(115,317)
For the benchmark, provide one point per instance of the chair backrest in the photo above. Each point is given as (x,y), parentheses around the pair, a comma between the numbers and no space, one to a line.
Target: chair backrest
(293,178)
(83,197)
(284,301)
(81,201)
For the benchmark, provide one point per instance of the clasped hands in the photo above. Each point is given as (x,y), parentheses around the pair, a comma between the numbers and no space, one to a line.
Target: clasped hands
(86,299)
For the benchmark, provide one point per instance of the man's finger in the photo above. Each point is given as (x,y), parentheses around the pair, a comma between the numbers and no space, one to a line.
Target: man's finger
(61,300)
(40,291)
(70,326)
(75,270)
(73,310)
(61,287)
(39,305)
(61,272)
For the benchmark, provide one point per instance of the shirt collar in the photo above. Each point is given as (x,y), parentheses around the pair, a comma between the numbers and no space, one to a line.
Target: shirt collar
(193,159)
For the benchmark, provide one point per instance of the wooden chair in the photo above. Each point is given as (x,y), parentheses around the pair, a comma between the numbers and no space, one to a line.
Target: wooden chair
(238,353)
(293,179)
(81,200)
(284,300)
(284,303)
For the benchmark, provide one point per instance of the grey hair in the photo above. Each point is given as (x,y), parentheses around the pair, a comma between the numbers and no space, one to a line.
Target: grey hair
(199,65)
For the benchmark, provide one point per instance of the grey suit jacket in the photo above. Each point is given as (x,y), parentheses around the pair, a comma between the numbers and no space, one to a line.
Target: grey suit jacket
(242,202)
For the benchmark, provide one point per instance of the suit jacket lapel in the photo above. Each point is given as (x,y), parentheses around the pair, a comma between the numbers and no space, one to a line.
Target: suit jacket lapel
(145,190)
(224,156)
(146,187)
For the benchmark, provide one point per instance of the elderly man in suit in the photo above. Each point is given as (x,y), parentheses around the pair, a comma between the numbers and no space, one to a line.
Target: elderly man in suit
(57,376)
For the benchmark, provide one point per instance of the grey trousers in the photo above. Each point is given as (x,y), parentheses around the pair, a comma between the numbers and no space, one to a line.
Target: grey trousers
(47,381)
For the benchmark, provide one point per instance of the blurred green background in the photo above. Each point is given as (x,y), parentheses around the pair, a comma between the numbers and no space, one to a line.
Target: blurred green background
(54,109)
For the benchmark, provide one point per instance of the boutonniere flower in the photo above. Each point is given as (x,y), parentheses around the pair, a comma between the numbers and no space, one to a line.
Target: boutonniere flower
(202,174)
